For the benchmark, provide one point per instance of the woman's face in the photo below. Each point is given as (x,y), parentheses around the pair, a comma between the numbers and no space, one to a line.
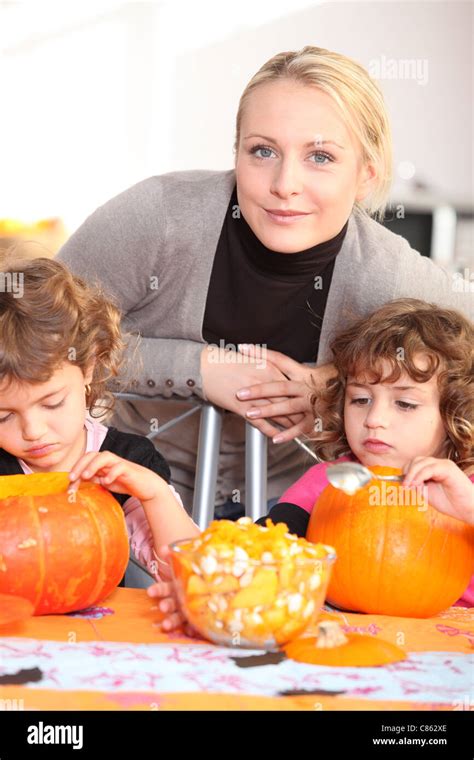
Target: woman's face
(296,154)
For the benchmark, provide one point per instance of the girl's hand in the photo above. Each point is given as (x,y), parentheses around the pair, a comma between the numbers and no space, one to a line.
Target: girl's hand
(166,516)
(449,490)
(289,397)
(117,475)
(165,591)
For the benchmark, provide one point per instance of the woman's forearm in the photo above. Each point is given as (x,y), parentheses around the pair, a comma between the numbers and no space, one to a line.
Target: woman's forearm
(161,367)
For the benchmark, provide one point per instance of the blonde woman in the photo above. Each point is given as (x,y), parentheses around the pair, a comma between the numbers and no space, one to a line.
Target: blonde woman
(282,251)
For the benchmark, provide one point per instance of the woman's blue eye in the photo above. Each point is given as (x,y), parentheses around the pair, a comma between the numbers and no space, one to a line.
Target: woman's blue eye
(261,148)
(360,401)
(266,152)
(327,158)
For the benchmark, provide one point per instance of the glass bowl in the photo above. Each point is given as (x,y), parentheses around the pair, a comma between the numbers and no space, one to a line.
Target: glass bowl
(235,600)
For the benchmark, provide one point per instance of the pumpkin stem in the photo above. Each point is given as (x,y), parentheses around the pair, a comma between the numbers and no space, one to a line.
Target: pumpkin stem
(330,634)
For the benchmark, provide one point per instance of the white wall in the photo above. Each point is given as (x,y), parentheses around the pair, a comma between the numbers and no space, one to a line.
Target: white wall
(432,123)
(98,95)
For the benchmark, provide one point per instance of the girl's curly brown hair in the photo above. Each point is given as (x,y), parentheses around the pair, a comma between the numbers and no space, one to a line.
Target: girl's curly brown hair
(398,333)
(49,316)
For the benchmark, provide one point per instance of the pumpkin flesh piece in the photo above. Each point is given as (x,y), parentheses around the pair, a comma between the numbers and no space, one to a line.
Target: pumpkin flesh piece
(36,484)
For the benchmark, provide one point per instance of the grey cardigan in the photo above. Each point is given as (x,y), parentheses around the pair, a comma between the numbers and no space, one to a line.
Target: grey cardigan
(152,248)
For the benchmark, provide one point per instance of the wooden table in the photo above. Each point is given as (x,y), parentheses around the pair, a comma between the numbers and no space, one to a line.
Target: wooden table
(115,657)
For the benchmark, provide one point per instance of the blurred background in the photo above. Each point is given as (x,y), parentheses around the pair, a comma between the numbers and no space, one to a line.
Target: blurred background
(99,95)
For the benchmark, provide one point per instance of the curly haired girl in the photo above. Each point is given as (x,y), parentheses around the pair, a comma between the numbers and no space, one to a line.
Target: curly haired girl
(403,397)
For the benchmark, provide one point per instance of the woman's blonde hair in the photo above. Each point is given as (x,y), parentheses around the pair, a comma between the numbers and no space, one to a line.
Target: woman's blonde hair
(358,98)
(48,316)
(398,333)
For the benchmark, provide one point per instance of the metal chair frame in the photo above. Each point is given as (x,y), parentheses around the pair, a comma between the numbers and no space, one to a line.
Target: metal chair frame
(208,460)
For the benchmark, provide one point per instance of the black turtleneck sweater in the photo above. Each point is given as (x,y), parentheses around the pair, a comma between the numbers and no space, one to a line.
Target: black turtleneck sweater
(257,295)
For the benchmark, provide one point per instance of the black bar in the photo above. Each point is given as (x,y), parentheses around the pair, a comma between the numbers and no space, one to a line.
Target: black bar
(219,734)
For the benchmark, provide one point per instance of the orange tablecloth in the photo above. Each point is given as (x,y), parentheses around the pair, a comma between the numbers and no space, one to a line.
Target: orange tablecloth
(60,643)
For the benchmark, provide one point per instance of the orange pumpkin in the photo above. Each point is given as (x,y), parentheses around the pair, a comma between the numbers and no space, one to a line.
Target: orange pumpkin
(62,551)
(330,646)
(13,609)
(397,555)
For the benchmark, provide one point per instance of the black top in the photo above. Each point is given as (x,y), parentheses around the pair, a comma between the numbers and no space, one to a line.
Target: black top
(296,518)
(257,295)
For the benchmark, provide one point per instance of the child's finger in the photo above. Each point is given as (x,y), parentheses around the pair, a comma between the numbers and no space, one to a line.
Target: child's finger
(173,621)
(420,473)
(81,465)
(91,463)
(114,472)
(160,590)
(168,605)
(410,468)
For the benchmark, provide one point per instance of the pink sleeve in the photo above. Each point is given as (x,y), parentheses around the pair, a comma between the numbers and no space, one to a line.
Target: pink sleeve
(309,487)
(139,533)
(467,599)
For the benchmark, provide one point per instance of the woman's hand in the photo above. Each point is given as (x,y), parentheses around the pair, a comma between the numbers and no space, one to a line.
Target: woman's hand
(289,397)
(118,475)
(165,591)
(224,372)
(449,490)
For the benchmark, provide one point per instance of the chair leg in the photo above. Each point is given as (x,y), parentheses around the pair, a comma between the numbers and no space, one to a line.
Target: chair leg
(255,472)
(207,465)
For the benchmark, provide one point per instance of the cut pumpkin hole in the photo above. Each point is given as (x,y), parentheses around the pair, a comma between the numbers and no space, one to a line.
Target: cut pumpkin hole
(335,648)
(13,609)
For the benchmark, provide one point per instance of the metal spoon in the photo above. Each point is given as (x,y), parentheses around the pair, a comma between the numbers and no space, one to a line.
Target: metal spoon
(351,476)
